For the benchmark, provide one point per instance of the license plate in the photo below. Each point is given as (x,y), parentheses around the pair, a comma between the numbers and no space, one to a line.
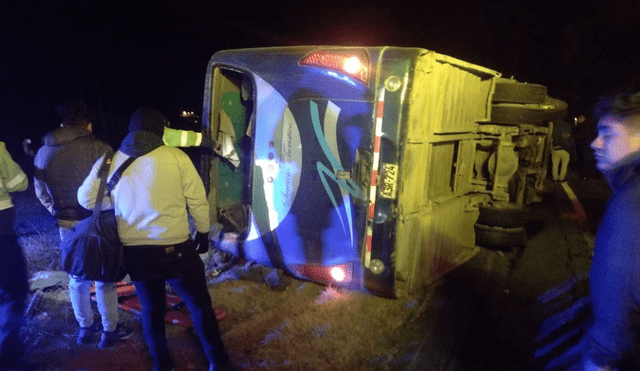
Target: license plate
(389,181)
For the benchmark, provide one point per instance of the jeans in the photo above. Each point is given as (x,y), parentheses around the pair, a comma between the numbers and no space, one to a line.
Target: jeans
(80,293)
(180,266)
(13,290)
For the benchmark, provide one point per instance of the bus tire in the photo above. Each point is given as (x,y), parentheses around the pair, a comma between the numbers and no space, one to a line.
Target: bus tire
(500,239)
(512,91)
(538,114)
(506,215)
(516,114)
(554,109)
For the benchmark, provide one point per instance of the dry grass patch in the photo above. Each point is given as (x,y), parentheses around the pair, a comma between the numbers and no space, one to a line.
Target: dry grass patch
(308,326)
(41,251)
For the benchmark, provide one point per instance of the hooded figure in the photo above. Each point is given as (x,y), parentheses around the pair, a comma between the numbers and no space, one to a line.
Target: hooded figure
(152,202)
(146,129)
(148,119)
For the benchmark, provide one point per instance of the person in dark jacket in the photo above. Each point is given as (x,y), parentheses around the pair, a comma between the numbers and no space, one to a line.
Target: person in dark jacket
(152,201)
(61,165)
(13,267)
(613,340)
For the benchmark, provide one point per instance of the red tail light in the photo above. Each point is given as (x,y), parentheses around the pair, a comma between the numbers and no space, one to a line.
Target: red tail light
(332,274)
(354,63)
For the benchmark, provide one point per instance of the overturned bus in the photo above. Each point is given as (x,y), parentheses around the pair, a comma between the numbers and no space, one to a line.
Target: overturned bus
(374,168)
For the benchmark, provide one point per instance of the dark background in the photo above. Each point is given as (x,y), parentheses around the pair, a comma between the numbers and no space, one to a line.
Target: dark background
(120,56)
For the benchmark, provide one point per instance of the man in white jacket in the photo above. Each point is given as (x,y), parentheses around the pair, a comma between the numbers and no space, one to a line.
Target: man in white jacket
(152,201)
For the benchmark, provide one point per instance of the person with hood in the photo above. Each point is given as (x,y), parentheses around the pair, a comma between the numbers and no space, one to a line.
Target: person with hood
(61,165)
(13,267)
(613,340)
(152,200)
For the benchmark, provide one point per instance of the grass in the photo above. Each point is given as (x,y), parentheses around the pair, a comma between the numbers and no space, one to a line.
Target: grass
(303,327)
(37,232)
(41,251)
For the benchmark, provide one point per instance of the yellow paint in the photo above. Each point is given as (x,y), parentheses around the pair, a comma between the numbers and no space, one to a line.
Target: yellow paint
(434,232)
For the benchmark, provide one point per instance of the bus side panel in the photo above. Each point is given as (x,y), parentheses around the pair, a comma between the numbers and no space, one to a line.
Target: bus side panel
(435,225)
(435,241)
(448,96)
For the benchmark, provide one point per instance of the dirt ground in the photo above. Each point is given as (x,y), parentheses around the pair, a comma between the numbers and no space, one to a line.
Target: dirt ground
(482,316)
(303,327)
(295,325)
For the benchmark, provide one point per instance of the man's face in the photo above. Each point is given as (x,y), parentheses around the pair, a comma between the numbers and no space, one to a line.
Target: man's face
(614,141)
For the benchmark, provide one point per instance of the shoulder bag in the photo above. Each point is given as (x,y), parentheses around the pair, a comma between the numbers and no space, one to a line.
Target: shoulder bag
(93,250)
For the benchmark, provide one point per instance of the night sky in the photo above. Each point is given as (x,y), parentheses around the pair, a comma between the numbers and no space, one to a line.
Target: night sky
(117,57)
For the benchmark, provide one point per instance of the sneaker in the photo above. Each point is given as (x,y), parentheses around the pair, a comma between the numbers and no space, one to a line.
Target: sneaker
(86,334)
(110,338)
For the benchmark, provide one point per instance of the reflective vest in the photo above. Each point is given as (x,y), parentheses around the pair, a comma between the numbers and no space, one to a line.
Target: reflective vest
(181,138)
(12,178)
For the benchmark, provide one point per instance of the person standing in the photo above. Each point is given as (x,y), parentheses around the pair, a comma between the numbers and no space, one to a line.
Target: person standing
(61,165)
(613,340)
(13,267)
(152,202)
(563,150)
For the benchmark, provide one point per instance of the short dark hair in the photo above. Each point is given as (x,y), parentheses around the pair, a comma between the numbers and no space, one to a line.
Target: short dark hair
(622,104)
(148,119)
(75,113)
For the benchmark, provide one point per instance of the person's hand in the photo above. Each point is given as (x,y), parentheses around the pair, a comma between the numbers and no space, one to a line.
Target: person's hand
(202,242)
(213,144)
(26,145)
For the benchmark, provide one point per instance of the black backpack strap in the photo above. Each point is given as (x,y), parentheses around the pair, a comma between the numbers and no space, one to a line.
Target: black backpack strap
(118,173)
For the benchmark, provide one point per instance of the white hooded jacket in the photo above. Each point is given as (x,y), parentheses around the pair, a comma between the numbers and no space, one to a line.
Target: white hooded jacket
(153,196)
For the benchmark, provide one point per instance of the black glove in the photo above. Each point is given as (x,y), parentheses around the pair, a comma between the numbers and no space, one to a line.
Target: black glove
(202,242)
